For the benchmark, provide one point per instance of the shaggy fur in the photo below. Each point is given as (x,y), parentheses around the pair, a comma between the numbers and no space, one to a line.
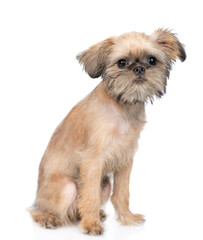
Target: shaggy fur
(100,134)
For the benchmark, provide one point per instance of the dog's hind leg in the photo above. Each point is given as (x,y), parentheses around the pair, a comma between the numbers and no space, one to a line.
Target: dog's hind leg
(56,202)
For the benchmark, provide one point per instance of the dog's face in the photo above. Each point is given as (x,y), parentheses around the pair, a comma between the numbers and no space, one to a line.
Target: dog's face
(135,66)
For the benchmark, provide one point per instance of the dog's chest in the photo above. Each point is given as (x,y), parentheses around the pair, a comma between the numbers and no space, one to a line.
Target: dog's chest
(116,122)
(123,138)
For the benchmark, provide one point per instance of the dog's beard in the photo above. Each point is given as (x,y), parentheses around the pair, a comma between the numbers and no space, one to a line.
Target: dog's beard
(130,89)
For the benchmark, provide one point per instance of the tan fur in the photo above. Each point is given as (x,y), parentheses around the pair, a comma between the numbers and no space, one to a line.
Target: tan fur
(100,134)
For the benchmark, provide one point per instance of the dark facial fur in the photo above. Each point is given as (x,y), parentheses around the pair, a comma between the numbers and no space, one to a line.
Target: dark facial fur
(135,66)
(126,86)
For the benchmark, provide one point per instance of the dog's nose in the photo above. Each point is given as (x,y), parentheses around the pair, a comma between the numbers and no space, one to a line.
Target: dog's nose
(139,70)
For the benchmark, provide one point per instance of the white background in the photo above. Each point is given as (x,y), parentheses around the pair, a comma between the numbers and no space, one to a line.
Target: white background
(40,81)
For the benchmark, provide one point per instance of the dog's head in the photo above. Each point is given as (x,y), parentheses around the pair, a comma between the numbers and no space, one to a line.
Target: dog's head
(135,66)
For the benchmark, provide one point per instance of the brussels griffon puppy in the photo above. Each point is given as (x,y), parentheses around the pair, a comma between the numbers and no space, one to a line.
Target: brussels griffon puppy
(100,134)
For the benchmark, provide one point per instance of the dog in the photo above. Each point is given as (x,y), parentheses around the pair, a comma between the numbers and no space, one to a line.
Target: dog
(100,134)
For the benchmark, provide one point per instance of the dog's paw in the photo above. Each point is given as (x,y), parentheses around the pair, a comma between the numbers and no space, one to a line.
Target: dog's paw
(50,222)
(131,219)
(92,229)
(46,220)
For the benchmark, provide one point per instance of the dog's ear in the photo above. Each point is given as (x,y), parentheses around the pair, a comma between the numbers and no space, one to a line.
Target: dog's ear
(94,58)
(170,43)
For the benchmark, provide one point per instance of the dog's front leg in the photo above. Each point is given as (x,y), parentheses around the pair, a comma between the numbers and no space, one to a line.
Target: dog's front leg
(90,194)
(120,197)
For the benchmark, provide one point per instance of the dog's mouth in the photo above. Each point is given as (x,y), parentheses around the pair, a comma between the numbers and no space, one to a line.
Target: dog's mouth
(140,80)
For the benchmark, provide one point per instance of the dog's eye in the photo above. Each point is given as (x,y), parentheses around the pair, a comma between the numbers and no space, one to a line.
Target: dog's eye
(152,61)
(122,63)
